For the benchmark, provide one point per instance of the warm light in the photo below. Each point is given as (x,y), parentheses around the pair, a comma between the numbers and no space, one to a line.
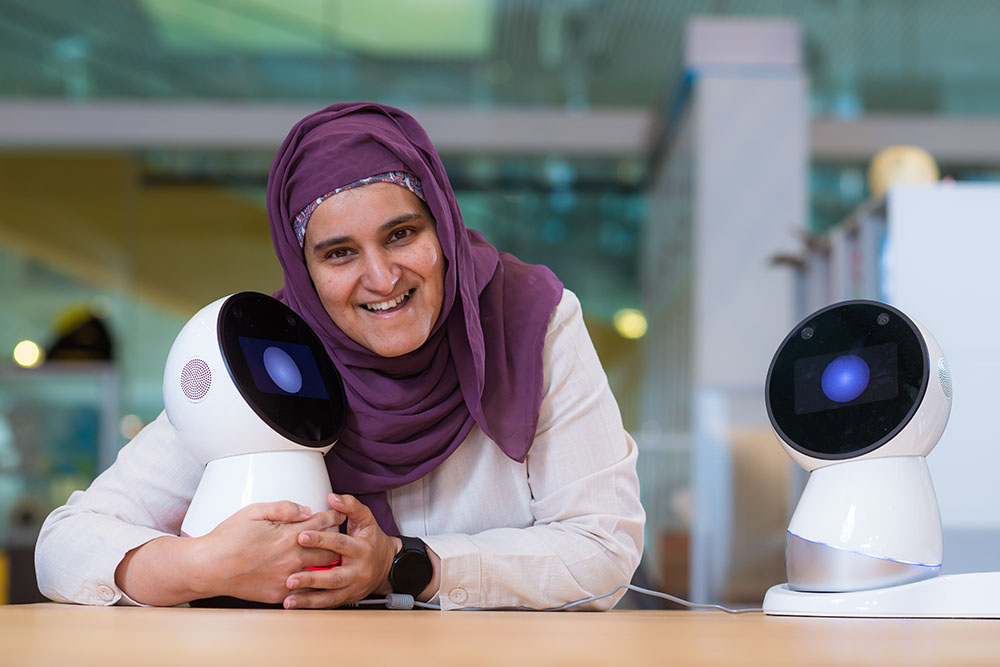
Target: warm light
(630,323)
(129,426)
(27,354)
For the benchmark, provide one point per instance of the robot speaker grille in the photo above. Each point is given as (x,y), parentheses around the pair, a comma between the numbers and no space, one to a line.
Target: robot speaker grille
(196,379)
(944,376)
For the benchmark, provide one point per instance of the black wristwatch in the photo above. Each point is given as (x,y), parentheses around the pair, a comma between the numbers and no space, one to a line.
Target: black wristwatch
(411,569)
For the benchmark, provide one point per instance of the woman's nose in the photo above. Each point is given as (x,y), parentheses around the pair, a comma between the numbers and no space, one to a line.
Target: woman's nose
(381,274)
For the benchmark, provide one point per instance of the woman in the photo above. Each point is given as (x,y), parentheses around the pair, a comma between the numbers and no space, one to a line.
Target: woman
(484,463)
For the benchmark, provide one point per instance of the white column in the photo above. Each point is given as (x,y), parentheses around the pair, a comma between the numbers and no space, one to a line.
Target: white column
(743,144)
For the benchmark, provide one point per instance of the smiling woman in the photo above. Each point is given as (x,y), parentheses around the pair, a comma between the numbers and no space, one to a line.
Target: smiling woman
(483,463)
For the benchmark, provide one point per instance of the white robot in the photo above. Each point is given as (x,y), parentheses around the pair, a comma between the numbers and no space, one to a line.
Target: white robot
(253,395)
(859,394)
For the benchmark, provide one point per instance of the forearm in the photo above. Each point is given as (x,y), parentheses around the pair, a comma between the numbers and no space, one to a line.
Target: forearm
(78,552)
(166,571)
(141,498)
(586,539)
(537,567)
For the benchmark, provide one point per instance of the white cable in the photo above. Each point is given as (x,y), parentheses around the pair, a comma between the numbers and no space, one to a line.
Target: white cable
(403,601)
(655,594)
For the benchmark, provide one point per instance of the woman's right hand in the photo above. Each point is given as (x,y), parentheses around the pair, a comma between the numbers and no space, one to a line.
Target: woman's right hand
(249,555)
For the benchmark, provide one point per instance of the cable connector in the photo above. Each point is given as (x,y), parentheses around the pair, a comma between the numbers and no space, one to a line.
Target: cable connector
(399,601)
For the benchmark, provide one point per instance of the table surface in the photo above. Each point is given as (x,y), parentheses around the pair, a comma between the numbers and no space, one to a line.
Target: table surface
(71,635)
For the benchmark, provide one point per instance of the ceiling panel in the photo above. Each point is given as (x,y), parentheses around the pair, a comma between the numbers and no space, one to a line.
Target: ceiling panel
(863,55)
(388,28)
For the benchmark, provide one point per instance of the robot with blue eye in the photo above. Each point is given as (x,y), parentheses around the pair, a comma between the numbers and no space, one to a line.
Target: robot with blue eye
(254,397)
(858,394)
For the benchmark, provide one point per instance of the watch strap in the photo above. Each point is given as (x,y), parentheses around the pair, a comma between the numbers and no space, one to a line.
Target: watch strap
(412,544)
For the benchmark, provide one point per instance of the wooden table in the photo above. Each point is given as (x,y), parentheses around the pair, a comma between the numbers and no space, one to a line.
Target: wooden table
(51,634)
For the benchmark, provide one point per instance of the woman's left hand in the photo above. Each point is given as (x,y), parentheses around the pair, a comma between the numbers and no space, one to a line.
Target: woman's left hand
(365,552)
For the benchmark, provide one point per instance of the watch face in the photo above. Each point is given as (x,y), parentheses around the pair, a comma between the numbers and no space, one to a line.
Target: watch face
(411,572)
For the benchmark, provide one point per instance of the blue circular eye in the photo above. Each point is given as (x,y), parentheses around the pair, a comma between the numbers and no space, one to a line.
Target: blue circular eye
(282,369)
(845,378)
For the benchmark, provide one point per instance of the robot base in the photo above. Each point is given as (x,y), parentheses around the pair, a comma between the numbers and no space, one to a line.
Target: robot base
(234,482)
(974,595)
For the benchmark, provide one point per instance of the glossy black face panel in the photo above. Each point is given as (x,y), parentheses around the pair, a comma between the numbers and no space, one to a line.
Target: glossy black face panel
(282,369)
(847,379)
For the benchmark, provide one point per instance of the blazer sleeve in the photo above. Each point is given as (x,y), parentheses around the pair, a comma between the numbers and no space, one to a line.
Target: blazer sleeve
(142,496)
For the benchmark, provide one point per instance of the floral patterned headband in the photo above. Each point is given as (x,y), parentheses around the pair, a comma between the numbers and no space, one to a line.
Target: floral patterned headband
(407,180)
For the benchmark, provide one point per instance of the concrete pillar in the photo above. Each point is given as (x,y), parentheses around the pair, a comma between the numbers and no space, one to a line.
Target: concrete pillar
(731,194)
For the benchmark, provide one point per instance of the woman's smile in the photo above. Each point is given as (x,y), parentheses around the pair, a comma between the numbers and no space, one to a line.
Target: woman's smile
(389,306)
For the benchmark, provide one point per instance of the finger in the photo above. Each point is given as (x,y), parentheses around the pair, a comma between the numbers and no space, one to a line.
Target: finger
(333,578)
(322,599)
(282,510)
(357,512)
(323,520)
(339,543)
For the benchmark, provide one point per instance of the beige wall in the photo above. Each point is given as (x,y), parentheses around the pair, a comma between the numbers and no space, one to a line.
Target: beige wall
(177,246)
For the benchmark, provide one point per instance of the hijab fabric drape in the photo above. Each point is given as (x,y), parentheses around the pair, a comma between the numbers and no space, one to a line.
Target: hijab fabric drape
(481,365)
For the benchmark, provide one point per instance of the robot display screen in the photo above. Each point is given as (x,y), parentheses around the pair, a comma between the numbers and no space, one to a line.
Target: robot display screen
(841,379)
(282,369)
(846,380)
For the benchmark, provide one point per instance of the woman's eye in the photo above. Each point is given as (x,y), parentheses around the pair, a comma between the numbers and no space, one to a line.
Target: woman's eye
(400,234)
(338,253)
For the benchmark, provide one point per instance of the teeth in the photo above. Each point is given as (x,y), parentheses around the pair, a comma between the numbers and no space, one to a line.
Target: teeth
(392,303)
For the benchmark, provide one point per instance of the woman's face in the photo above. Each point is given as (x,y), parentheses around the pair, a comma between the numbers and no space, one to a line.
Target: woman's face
(375,260)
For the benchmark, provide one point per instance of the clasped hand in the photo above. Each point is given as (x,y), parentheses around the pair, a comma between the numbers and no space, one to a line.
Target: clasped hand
(264,550)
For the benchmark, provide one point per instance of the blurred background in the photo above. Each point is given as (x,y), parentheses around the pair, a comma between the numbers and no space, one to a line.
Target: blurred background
(699,172)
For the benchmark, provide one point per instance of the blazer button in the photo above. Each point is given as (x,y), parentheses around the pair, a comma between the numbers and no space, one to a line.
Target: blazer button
(458,595)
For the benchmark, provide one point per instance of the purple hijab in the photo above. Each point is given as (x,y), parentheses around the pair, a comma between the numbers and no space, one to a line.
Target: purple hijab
(481,365)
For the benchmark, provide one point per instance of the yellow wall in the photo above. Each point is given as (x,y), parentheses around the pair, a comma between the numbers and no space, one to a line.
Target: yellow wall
(177,246)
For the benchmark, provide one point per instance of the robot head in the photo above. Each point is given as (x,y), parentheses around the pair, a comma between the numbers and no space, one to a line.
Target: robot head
(246,375)
(858,379)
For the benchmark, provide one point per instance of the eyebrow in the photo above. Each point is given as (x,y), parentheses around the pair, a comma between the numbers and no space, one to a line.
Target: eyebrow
(384,227)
